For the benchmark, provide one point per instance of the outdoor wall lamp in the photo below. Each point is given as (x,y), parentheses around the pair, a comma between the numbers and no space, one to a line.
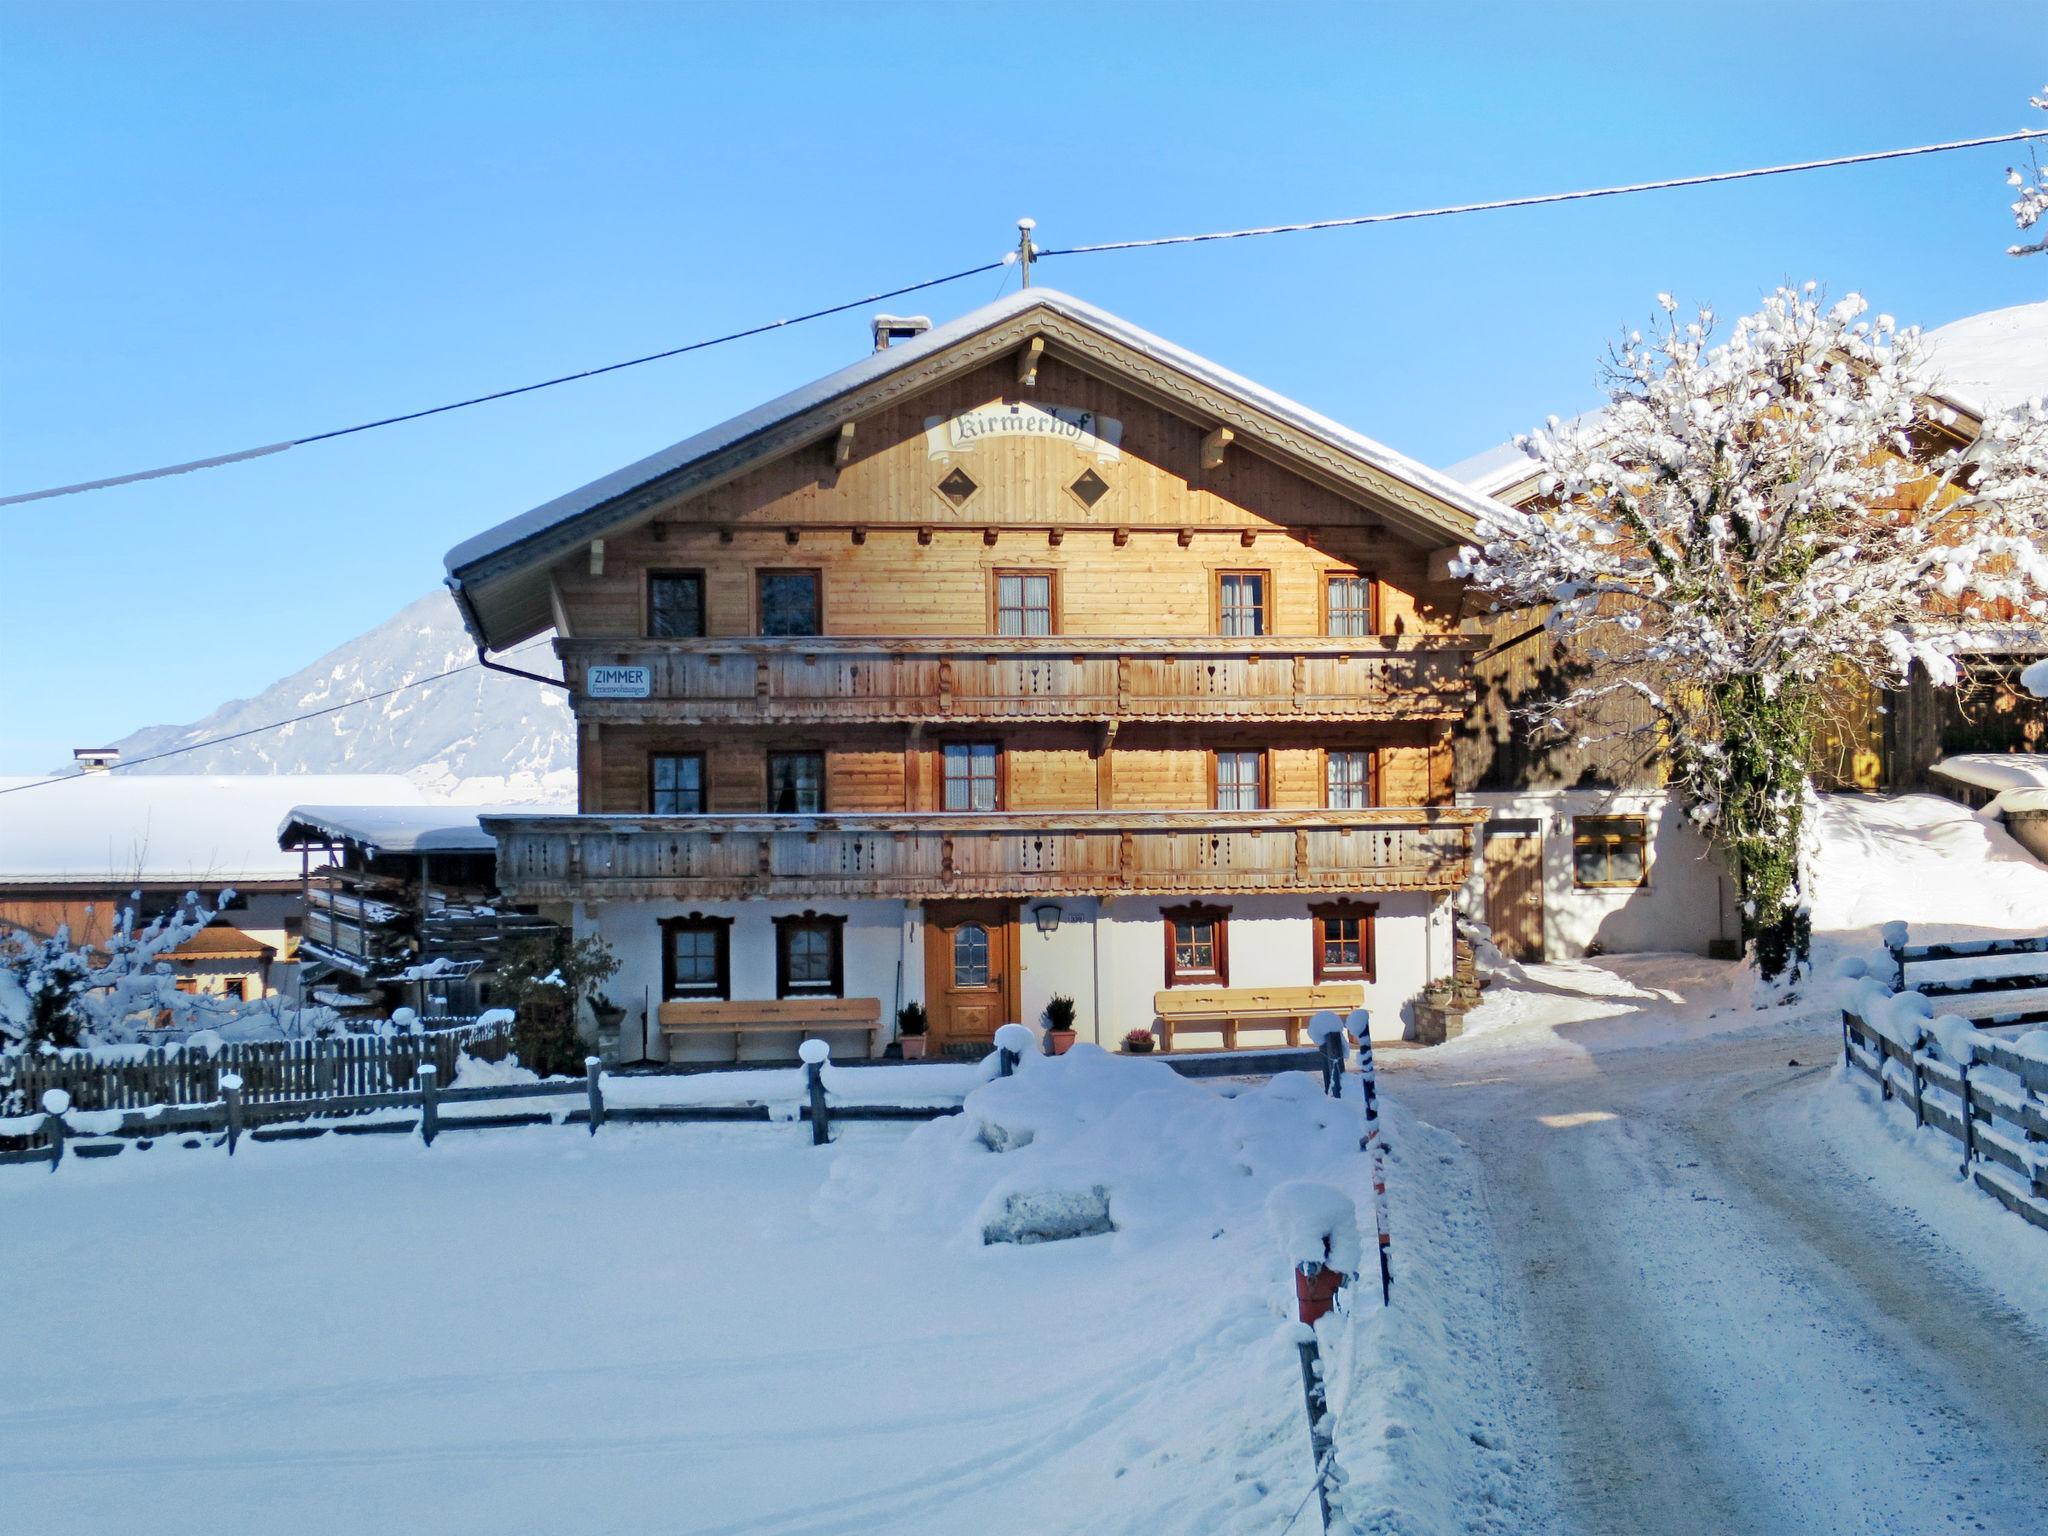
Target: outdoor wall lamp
(1047,916)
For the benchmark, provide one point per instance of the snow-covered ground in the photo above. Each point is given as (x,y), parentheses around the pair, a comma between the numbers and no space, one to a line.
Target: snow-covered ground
(722,1329)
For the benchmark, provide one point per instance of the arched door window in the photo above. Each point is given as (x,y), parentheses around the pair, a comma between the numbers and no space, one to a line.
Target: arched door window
(970,955)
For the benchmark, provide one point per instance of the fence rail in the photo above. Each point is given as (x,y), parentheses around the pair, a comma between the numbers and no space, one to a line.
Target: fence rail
(337,1066)
(2003,1133)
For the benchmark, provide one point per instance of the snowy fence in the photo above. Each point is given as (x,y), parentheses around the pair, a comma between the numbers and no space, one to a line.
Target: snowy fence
(424,1106)
(339,1066)
(1990,1095)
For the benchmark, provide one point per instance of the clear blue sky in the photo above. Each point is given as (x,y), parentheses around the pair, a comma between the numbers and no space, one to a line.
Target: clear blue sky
(225,225)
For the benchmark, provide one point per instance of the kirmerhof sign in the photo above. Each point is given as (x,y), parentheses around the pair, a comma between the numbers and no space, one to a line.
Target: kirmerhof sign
(618,682)
(967,430)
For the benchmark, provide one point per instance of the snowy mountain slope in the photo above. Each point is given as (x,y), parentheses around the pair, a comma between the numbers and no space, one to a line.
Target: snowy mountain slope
(477,736)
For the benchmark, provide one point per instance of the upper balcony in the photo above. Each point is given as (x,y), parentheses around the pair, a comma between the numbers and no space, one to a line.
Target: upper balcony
(1013,854)
(869,680)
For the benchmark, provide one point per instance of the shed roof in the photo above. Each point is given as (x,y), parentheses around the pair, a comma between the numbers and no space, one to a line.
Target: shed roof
(501,608)
(394,828)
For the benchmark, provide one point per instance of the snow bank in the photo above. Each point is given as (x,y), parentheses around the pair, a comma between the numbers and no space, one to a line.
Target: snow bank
(1997,770)
(1315,1224)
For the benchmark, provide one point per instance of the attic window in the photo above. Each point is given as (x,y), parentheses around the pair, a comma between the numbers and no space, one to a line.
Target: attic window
(957,487)
(1089,488)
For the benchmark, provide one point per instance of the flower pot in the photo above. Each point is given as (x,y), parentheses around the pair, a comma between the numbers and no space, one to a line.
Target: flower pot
(1140,1046)
(913,1047)
(1058,1040)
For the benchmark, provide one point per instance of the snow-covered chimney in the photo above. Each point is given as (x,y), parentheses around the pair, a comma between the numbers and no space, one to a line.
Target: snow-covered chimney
(95,759)
(894,328)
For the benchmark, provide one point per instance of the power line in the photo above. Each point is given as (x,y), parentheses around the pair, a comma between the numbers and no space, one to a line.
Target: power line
(1355,222)
(1550,197)
(275,725)
(500,394)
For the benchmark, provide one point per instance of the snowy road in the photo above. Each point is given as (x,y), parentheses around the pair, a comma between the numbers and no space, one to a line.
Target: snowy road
(1724,1330)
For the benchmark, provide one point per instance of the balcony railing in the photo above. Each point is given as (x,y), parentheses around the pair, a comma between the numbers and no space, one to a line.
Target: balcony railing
(1001,677)
(1020,854)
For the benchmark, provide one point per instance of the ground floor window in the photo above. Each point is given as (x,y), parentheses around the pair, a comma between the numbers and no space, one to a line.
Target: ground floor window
(1197,946)
(696,957)
(810,956)
(1610,850)
(1343,940)
(236,988)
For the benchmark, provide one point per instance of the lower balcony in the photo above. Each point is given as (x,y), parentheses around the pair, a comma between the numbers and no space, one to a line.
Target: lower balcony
(1012,854)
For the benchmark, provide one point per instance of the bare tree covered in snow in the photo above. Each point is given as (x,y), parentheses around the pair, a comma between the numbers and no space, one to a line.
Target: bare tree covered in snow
(2031,183)
(1750,519)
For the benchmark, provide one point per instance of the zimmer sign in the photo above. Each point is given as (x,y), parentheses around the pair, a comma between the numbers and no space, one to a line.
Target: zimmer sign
(962,433)
(618,682)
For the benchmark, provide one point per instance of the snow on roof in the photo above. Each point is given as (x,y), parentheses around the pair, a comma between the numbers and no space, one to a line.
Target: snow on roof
(102,829)
(400,828)
(1986,362)
(1993,361)
(877,365)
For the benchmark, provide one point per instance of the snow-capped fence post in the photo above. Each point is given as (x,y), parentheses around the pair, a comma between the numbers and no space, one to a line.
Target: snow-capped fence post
(1318,1230)
(1374,1145)
(1327,1031)
(815,1054)
(1013,1042)
(55,1102)
(231,1097)
(593,1067)
(429,1078)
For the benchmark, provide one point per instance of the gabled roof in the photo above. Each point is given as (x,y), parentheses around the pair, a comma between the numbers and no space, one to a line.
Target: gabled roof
(494,573)
(221,941)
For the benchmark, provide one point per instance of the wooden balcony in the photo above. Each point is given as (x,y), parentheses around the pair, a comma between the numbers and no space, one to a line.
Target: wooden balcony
(850,680)
(1016,854)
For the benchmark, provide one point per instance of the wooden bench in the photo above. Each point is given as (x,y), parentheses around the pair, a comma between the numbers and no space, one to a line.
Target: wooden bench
(1225,1009)
(804,1015)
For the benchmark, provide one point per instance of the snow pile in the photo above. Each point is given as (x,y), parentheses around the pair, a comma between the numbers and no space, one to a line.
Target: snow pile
(1316,1224)
(1997,770)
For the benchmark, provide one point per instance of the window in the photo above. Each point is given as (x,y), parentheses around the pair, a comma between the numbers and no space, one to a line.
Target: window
(790,602)
(1197,946)
(1024,603)
(796,783)
(675,783)
(973,774)
(1348,780)
(696,957)
(675,605)
(1240,602)
(970,955)
(1610,850)
(809,956)
(1351,604)
(1240,781)
(235,988)
(1343,939)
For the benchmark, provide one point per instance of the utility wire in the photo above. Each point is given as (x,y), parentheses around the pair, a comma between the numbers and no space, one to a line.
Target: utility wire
(990,266)
(258,730)
(500,394)
(1549,197)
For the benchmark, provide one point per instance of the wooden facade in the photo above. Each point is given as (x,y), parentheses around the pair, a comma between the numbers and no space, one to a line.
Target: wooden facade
(1058,620)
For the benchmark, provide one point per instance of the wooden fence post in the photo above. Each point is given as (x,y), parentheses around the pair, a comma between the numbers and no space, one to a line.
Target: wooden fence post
(815,1054)
(593,1067)
(429,1077)
(231,1096)
(55,1102)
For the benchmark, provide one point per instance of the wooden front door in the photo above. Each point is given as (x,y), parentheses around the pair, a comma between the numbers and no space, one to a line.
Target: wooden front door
(970,970)
(1514,893)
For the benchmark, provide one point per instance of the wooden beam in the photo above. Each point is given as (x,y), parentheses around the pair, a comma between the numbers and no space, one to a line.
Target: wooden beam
(1055,536)
(1027,362)
(1247,537)
(1121,537)
(1213,446)
(860,534)
(988,536)
(597,557)
(1185,537)
(791,535)
(924,534)
(558,609)
(842,450)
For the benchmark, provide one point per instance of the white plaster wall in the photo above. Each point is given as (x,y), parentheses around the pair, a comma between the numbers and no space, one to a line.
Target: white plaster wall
(1270,946)
(1687,904)
(877,933)
(1062,962)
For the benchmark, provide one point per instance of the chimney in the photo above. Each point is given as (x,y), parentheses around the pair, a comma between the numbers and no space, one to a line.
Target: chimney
(894,328)
(95,759)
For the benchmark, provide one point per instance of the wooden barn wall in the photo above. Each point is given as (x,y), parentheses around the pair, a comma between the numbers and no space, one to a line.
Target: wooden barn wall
(893,584)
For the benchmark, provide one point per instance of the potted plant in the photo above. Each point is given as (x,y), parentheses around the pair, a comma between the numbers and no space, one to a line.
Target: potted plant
(1059,1025)
(912,1026)
(1139,1042)
(609,1014)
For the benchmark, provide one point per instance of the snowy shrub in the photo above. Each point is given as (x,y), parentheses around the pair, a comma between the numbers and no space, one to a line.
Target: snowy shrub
(2031,206)
(1746,523)
(546,978)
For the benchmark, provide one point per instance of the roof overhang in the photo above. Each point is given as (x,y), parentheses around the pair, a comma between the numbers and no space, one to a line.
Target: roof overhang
(500,577)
